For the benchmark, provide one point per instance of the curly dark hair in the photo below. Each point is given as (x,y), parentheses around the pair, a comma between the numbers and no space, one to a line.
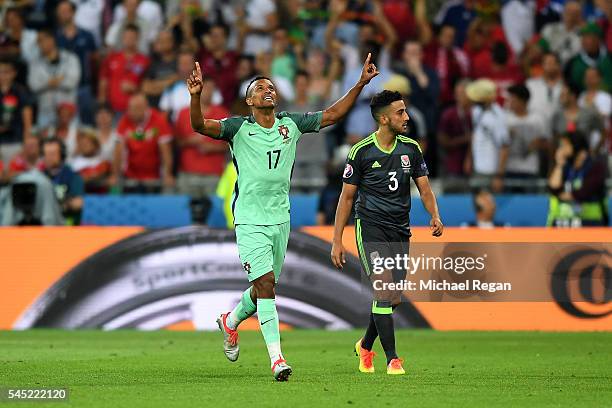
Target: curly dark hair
(381,100)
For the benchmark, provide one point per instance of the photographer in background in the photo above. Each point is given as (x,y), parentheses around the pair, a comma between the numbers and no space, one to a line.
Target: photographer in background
(68,185)
(578,185)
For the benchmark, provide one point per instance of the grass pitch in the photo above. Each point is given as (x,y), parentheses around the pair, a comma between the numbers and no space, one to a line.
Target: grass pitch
(188,369)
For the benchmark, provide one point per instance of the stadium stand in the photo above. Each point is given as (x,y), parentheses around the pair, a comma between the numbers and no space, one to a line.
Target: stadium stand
(76,71)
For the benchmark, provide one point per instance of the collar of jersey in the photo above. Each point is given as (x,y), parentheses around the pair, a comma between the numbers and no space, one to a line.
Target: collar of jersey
(380,147)
(267,130)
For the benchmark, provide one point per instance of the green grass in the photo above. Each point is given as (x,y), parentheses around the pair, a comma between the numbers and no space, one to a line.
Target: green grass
(188,369)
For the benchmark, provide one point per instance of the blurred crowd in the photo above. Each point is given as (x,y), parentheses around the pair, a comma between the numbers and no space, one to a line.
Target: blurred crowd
(503,96)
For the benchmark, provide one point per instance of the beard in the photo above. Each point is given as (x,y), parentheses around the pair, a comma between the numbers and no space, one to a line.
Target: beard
(399,130)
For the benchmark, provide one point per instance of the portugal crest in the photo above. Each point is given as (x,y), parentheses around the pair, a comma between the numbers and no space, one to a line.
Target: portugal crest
(284,132)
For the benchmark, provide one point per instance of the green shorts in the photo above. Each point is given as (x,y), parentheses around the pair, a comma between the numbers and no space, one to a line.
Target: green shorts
(262,248)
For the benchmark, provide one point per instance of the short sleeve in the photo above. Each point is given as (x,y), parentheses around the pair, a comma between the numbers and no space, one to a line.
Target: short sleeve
(352,168)
(307,122)
(420,167)
(229,127)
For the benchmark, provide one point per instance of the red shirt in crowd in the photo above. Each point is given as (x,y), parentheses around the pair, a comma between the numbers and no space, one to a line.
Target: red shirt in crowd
(399,13)
(449,64)
(606,27)
(118,68)
(455,123)
(222,72)
(504,78)
(192,160)
(480,59)
(18,164)
(95,169)
(141,141)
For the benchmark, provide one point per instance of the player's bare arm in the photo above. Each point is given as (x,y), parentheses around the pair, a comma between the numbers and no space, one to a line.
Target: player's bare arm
(343,212)
(429,202)
(341,107)
(207,127)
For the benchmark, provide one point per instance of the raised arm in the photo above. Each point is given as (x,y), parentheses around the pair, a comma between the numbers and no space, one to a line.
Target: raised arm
(341,107)
(207,127)
(384,25)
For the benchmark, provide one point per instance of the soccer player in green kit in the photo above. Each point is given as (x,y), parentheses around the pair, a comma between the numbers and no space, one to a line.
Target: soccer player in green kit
(263,150)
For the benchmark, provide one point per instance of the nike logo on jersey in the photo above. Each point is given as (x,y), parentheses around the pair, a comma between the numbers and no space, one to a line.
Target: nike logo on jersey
(376,165)
(252,133)
(267,321)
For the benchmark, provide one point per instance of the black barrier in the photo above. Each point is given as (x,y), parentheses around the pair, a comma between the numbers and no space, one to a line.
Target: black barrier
(161,277)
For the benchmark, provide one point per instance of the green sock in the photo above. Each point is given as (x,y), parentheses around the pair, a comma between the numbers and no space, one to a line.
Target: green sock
(268,321)
(243,310)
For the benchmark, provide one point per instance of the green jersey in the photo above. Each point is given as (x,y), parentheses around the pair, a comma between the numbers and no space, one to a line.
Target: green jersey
(264,162)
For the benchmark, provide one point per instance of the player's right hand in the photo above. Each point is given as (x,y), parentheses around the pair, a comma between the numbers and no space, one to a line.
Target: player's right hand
(338,255)
(369,70)
(194,82)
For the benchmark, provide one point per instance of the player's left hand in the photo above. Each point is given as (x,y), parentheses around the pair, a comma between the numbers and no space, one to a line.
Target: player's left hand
(338,255)
(195,81)
(369,70)
(436,227)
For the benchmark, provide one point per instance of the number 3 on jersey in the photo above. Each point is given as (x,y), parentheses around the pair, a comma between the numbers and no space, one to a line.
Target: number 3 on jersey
(394,183)
(270,153)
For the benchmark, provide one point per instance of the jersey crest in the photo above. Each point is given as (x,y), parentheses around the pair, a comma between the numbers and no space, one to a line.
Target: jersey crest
(405,160)
(284,132)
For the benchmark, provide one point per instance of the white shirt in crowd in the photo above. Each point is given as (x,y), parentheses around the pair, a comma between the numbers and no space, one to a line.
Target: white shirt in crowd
(150,20)
(523,130)
(107,149)
(89,17)
(544,100)
(114,36)
(602,102)
(489,136)
(564,43)
(149,11)
(518,20)
(176,97)
(78,163)
(256,13)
